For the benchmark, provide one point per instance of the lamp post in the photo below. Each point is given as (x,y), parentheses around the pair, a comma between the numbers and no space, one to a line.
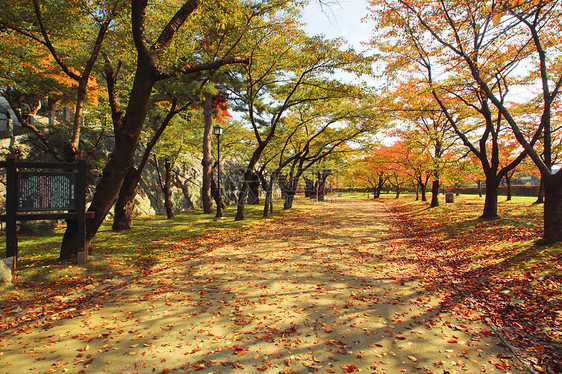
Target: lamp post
(217,130)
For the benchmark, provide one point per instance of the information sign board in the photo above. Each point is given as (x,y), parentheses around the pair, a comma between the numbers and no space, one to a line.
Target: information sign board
(43,194)
(46,191)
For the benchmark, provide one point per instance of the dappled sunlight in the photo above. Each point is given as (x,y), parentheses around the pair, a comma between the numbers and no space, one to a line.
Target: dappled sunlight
(322,292)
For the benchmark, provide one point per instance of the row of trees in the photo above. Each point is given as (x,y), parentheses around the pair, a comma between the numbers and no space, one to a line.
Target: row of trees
(484,75)
(169,67)
(403,165)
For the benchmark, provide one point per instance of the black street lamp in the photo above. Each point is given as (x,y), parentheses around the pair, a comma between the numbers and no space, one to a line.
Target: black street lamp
(217,130)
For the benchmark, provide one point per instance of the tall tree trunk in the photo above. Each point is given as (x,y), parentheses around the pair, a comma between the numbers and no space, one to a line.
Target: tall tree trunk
(268,205)
(435,193)
(248,177)
(508,184)
(289,199)
(215,194)
(123,217)
(268,187)
(206,161)
(397,191)
(287,193)
(168,204)
(309,188)
(379,188)
(540,196)
(423,191)
(242,195)
(491,199)
(126,142)
(123,212)
(552,207)
(253,191)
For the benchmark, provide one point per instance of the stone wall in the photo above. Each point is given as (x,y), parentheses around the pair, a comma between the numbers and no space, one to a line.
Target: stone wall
(186,189)
(187,177)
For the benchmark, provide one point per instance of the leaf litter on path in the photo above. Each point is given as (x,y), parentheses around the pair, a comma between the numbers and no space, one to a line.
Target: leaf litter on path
(315,293)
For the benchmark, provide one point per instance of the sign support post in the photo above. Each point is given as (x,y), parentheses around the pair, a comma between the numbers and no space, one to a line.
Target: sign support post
(11,209)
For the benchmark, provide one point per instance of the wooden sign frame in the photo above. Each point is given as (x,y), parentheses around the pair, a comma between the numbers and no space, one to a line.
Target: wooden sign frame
(42,198)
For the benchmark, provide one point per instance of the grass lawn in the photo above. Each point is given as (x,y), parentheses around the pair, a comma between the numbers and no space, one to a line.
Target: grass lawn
(152,240)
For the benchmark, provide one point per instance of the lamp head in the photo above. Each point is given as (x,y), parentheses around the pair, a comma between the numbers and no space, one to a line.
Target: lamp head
(217,130)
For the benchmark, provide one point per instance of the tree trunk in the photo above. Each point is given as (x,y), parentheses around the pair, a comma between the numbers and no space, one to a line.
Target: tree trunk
(397,191)
(540,197)
(123,218)
(242,195)
(215,194)
(253,191)
(206,160)
(309,190)
(552,207)
(320,190)
(491,199)
(248,178)
(126,142)
(423,191)
(479,188)
(379,189)
(508,183)
(268,194)
(289,199)
(268,205)
(168,204)
(435,193)
(123,212)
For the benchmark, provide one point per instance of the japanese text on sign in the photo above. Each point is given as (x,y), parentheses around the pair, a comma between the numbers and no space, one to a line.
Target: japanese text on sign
(46,191)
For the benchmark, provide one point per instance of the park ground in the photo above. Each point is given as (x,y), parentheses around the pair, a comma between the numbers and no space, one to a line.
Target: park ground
(343,286)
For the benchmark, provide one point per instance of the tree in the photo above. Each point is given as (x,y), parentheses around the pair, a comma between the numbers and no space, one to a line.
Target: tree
(462,171)
(475,118)
(374,170)
(287,69)
(160,119)
(318,131)
(40,24)
(129,124)
(528,28)
(428,127)
(223,37)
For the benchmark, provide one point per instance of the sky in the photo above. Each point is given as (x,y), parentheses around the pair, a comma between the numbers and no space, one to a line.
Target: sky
(342,19)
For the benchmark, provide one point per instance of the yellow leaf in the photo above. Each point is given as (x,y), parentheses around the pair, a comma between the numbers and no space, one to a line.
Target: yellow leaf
(497,18)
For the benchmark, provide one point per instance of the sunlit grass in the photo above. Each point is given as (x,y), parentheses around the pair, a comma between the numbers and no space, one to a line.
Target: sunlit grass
(152,240)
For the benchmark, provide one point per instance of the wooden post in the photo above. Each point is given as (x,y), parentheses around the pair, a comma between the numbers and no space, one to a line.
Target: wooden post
(11,208)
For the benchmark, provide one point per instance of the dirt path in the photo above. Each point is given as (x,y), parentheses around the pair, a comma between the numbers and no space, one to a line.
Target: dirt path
(315,294)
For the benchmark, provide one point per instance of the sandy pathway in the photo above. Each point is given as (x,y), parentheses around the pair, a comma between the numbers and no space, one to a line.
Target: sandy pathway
(317,294)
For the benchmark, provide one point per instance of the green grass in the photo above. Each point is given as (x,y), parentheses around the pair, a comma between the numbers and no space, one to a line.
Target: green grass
(152,240)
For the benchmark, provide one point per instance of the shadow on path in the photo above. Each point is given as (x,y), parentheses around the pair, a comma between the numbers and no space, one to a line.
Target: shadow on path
(314,294)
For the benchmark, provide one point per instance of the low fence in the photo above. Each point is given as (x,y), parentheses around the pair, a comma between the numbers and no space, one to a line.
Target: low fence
(516,190)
